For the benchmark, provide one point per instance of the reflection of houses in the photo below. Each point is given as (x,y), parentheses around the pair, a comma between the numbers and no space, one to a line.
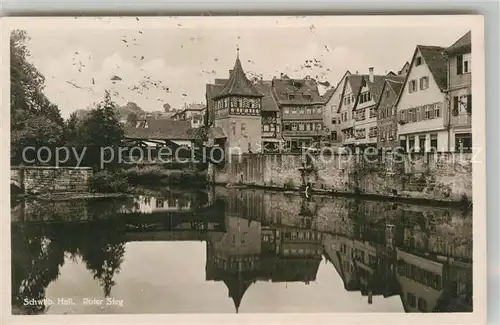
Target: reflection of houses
(425,284)
(169,203)
(251,252)
(432,285)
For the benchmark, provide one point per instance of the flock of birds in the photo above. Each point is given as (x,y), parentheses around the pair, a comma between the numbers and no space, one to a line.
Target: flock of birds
(147,83)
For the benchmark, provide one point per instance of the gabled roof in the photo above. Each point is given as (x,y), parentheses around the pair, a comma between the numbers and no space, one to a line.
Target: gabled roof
(328,94)
(268,102)
(436,62)
(356,82)
(463,44)
(374,87)
(238,83)
(394,83)
(305,91)
(164,129)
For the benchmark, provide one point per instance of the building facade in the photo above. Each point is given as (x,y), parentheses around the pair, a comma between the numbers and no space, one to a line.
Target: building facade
(301,109)
(347,102)
(272,137)
(237,111)
(365,110)
(387,122)
(422,105)
(460,93)
(331,118)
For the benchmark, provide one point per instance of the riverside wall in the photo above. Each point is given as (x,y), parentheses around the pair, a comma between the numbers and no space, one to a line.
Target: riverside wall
(436,176)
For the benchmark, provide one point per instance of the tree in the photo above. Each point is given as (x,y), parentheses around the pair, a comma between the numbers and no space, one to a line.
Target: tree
(35,121)
(71,128)
(132,119)
(166,107)
(101,129)
(27,85)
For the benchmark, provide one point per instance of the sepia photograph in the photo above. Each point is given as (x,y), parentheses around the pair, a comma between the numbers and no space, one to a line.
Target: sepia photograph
(246,165)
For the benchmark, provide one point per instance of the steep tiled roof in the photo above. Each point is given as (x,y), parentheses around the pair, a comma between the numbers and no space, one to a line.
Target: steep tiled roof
(266,88)
(375,87)
(211,92)
(436,61)
(299,88)
(396,84)
(356,82)
(328,94)
(463,44)
(238,83)
(161,129)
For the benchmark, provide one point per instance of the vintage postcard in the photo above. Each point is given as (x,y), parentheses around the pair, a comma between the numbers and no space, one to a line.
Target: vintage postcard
(246,169)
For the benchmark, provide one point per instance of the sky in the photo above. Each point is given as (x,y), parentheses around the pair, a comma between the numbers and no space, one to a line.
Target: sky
(171,60)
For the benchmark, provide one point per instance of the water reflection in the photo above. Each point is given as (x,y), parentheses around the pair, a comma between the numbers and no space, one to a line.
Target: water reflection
(421,255)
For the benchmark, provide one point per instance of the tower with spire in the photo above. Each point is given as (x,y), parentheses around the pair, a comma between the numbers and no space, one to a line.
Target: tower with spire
(238,111)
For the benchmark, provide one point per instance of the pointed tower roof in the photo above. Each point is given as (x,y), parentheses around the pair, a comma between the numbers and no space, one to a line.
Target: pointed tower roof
(238,83)
(237,285)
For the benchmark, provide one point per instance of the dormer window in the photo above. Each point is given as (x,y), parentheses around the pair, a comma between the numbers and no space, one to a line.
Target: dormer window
(418,61)
(291,97)
(308,97)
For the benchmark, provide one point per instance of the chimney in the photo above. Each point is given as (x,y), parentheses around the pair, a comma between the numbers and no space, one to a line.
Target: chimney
(372,78)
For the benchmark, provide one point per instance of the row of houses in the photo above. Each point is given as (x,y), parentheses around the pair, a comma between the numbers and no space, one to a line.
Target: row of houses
(425,105)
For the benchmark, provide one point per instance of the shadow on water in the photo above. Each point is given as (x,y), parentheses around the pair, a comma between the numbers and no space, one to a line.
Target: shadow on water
(422,254)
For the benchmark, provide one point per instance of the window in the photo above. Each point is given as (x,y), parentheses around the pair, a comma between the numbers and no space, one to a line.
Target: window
(373,112)
(424,83)
(302,110)
(333,135)
(294,110)
(334,108)
(411,143)
(277,128)
(334,121)
(250,104)
(308,97)
(272,127)
(286,127)
(437,109)
(238,103)
(301,127)
(286,111)
(243,128)
(411,299)
(308,111)
(421,143)
(464,63)
(291,97)
(266,128)
(463,142)
(418,61)
(422,304)
(427,112)
(294,126)
(434,142)
(412,86)
(318,110)
(318,126)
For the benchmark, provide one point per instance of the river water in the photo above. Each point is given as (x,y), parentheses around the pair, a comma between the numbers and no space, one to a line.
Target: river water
(227,250)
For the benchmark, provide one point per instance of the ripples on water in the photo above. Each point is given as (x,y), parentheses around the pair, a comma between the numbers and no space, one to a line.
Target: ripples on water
(224,250)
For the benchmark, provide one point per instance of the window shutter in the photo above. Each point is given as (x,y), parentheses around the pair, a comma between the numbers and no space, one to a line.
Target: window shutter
(459,64)
(469,104)
(422,83)
(455,106)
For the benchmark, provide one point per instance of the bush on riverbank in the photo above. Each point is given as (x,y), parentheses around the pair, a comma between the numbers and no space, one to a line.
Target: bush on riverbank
(154,175)
(109,182)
